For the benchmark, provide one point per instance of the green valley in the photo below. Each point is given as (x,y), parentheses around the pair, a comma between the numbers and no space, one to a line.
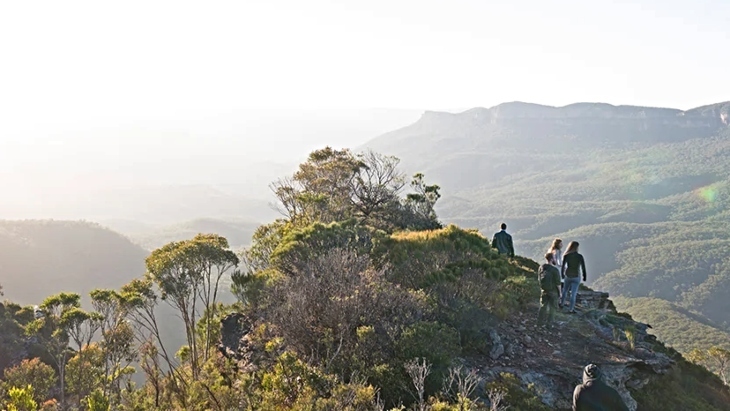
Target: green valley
(645,190)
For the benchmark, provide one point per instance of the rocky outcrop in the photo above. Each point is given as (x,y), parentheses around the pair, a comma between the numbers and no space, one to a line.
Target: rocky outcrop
(549,363)
(236,342)
(594,299)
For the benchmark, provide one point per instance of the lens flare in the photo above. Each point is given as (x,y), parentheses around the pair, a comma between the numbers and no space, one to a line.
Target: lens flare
(709,194)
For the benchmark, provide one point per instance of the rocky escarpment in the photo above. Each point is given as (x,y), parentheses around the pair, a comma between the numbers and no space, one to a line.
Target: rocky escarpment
(513,110)
(548,363)
(236,342)
(522,125)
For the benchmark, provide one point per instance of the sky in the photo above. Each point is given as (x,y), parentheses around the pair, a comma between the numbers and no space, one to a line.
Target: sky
(65,61)
(84,84)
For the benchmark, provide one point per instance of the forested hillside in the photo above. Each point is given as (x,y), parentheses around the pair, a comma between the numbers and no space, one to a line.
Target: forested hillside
(43,257)
(645,190)
(151,236)
(358,298)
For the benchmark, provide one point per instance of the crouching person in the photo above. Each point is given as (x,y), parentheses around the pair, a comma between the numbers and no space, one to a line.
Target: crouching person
(549,278)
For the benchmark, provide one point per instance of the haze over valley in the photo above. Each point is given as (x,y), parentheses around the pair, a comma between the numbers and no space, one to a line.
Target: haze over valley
(643,189)
(290,205)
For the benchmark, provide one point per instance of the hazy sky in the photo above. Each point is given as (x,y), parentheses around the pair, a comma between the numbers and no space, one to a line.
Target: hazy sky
(95,92)
(64,61)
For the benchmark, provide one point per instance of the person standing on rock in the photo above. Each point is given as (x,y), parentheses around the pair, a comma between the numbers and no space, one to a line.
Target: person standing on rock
(556,249)
(595,395)
(573,263)
(502,241)
(549,278)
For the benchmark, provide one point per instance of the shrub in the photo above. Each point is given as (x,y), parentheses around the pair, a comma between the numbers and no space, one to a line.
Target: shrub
(21,399)
(686,387)
(39,375)
(515,396)
(319,311)
(437,343)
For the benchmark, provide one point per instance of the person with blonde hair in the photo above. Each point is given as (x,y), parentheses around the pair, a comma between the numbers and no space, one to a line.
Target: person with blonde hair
(556,249)
(573,263)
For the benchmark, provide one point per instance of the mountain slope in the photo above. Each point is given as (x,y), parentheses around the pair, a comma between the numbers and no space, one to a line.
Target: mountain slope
(645,190)
(675,326)
(149,236)
(41,258)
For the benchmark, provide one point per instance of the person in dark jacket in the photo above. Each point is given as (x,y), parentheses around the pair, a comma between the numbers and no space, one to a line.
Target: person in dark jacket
(573,263)
(503,242)
(595,395)
(549,278)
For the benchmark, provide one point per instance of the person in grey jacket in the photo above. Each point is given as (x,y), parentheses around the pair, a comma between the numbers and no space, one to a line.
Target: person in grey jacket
(503,242)
(595,395)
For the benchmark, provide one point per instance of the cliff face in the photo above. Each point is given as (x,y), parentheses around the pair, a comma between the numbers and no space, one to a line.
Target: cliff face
(548,364)
(710,113)
(531,126)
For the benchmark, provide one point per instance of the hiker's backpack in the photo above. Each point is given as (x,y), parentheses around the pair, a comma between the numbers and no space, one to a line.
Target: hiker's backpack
(543,275)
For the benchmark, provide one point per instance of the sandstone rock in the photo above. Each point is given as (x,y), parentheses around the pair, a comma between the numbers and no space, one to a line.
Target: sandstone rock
(510,349)
(588,338)
(593,300)
(497,346)
(236,341)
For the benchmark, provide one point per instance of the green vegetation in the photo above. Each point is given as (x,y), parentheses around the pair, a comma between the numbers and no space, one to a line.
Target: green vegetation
(357,299)
(675,326)
(322,284)
(41,257)
(669,392)
(645,191)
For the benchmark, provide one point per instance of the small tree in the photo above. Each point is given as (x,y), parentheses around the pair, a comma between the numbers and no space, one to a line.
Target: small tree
(53,331)
(188,274)
(335,185)
(35,373)
(459,386)
(715,358)
(421,203)
(321,189)
(419,371)
(141,302)
(97,401)
(376,187)
(117,338)
(21,399)
(85,372)
(81,326)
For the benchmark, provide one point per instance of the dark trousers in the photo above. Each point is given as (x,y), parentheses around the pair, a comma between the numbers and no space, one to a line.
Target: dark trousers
(548,308)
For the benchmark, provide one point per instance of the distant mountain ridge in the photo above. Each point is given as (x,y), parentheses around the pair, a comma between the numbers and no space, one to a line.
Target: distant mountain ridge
(645,190)
(487,141)
(518,109)
(521,125)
